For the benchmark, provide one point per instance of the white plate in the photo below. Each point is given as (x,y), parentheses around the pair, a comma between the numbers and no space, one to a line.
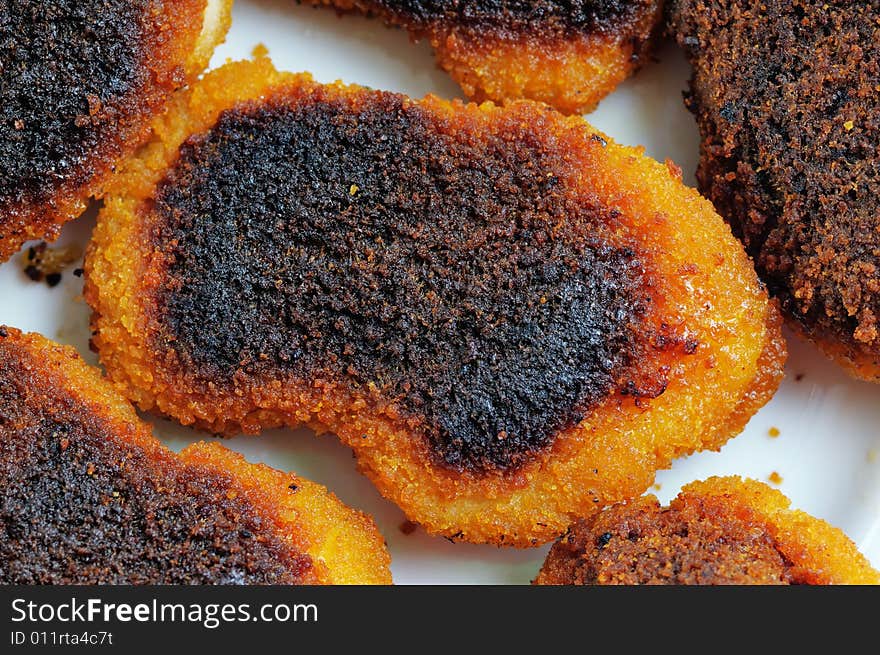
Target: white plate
(828,450)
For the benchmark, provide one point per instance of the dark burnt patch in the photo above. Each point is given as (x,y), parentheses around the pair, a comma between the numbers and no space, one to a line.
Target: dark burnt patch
(786,97)
(79,505)
(67,72)
(687,545)
(522,16)
(450,271)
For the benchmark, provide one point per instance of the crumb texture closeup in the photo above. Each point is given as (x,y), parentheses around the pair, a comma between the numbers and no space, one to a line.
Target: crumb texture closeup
(506,315)
(81,81)
(457,276)
(90,497)
(787,96)
(568,53)
(722,531)
(82,60)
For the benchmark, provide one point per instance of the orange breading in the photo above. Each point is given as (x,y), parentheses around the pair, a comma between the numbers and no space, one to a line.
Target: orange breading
(76,106)
(89,495)
(720,531)
(569,55)
(462,366)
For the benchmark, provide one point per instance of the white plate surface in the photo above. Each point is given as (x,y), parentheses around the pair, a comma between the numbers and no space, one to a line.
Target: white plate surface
(828,449)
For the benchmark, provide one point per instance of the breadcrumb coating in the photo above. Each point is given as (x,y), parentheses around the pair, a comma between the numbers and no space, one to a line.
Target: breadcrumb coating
(720,531)
(81,83)
(89,496)
(511,319)
(567,54)
(787,97)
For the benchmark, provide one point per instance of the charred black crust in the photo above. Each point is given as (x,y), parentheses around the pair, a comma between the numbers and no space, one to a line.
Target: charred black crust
(518,16)
(786,96)
(67,70)
(379,247)
(78,505)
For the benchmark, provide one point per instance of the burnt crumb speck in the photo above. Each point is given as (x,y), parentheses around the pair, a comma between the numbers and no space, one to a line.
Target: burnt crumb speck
(603,539)
(46,263)
(408,527)
(293,487)
(728,112)
(458,283)
(3,332)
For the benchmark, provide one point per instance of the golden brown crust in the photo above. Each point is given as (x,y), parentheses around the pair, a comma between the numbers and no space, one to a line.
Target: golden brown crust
(720,531)
(716,350)
(61,136)
(60,421)
(785,94)
(569,55)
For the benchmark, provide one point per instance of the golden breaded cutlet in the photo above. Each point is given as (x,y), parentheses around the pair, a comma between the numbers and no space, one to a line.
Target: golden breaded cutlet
(89,496)
(718,532)
(511,319)
(81,82)
(567,54)
(787,98)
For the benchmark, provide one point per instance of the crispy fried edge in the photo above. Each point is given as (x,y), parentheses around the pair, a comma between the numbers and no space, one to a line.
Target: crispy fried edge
(571,74)
(609,457)
(820,553)
(344,544)
(44,221)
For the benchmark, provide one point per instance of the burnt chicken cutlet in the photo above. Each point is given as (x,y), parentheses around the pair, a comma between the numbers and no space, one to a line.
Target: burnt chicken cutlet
(89,496)
(719,532)
(80,82)
(570,54)
(787,97)
(511,319)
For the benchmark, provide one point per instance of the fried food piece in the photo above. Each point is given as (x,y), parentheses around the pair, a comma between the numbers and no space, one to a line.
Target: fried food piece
(567,54)
(89,496)
(721,531)
(787,97)
(509,318)
(81,82)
